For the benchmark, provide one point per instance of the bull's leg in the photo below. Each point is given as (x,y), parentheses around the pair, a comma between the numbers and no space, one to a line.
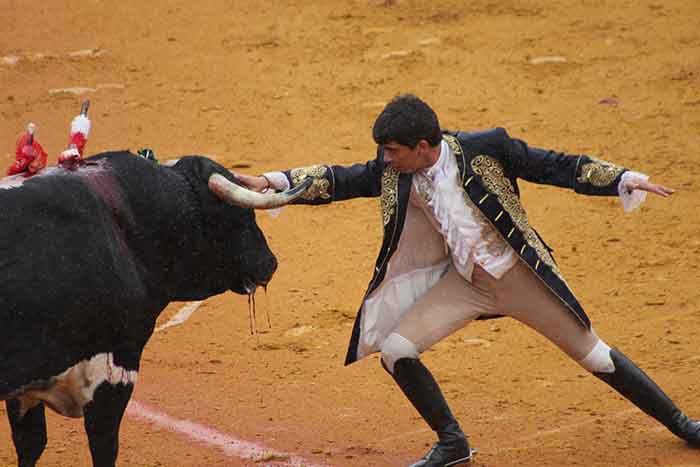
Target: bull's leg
(103,415)
(28,432)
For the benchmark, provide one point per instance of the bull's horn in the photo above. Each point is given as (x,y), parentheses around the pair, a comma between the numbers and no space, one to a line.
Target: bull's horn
(237,195)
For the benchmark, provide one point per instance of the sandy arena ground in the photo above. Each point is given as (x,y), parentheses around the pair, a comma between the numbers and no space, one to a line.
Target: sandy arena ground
(278,84)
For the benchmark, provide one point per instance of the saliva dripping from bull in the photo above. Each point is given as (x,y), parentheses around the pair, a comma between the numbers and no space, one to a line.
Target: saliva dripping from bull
(252,312)
(237,195)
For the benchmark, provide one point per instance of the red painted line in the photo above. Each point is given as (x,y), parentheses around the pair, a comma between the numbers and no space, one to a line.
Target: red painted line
(229,445)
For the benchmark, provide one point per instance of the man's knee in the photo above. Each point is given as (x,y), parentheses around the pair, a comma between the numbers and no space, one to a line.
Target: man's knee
(395,347)
(598,359)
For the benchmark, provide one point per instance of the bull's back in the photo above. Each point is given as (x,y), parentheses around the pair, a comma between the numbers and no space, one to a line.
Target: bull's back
(50,225)
(68,278)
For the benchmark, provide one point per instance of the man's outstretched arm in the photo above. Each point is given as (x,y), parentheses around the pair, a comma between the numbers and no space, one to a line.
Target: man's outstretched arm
(330,182)
(582,173)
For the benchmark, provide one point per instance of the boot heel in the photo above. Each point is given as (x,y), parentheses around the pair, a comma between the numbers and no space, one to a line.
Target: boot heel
(464,460)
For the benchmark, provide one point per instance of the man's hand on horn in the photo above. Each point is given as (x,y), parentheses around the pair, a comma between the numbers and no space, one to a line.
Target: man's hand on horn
(256,183)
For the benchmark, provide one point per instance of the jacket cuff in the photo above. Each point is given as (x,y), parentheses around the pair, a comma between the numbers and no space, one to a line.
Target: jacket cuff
(320,191)
(278,181)
(597,177)
(631,199)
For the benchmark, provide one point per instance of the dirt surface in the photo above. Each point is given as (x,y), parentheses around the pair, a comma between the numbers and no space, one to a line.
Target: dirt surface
(279,84)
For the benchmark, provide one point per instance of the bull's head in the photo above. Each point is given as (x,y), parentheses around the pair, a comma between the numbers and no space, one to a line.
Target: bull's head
(252,260)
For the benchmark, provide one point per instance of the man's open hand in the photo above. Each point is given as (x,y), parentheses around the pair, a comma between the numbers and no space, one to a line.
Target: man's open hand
(650,187)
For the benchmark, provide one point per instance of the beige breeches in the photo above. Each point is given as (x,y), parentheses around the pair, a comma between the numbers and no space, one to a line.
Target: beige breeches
(453,302)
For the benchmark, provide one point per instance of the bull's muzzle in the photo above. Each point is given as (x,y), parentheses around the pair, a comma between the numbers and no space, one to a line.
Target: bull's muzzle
(237,195)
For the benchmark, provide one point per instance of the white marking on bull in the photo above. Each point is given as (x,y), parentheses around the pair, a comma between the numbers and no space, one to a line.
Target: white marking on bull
(69,392)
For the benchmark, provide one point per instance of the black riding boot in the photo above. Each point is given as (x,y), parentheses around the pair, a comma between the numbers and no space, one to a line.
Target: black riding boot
(637,387)
(420,388)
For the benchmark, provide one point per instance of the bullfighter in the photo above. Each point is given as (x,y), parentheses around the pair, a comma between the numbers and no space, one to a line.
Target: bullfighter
(458,246)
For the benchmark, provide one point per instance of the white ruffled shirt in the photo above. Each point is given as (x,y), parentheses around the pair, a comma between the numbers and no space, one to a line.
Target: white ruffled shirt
(468,235)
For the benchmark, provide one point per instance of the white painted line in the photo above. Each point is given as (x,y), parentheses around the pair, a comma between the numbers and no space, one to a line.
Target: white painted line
(590,421)
(78,90)
(522,442)
(230,446)
(181,316)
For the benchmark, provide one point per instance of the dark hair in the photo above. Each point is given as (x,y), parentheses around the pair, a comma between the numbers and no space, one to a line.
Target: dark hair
(407,120)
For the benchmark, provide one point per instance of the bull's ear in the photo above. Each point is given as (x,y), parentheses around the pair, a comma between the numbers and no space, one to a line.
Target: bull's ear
(237,195)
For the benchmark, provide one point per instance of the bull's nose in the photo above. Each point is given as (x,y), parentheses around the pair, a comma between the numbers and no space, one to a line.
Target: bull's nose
(266,269)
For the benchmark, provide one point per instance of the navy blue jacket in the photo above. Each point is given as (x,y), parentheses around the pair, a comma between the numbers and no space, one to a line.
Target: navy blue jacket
(490,162)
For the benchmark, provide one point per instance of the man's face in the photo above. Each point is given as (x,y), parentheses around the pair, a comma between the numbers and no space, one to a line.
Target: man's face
(403,158)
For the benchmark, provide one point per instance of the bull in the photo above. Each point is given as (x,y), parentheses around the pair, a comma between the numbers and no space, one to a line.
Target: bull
(89,257)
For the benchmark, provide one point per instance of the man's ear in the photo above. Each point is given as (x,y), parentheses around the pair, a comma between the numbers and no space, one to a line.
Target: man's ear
(423,146)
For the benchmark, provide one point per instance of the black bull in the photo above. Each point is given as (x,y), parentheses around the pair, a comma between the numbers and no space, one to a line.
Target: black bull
(88,260)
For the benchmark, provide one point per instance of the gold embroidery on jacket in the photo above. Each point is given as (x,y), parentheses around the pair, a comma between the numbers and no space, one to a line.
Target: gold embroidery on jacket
(599,173)
(495,181)
(320,185)
(390,191)
(424,187)
(456,150)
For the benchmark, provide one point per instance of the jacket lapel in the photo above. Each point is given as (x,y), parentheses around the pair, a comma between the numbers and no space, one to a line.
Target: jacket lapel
(396,188)
(490,190)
